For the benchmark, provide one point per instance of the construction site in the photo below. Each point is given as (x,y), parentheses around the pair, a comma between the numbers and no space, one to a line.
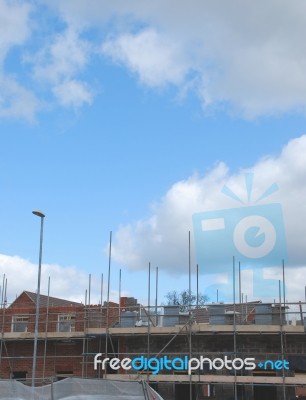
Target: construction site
(247,350)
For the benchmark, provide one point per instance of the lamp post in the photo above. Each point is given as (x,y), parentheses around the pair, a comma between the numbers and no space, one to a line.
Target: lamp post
(41,215)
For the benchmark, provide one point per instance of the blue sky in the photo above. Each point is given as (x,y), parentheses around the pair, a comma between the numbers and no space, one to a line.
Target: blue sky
(105,111)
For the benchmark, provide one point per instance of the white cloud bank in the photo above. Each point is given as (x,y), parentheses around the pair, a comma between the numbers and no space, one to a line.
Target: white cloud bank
(157,61)
(14,26)
(59,63)
(54,68)
(246,57)
(16,101)
(65,282)
(162,238)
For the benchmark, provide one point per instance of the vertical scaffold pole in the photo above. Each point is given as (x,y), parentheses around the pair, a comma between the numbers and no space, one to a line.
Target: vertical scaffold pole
(148,316)
(235,343)
(156,297)
(282,337)
(189,311)
(107,307)
(46,329)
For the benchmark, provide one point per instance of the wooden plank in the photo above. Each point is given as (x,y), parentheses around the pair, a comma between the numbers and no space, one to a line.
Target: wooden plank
(272,380)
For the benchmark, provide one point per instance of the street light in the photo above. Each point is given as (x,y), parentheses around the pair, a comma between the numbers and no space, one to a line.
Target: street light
(41,215)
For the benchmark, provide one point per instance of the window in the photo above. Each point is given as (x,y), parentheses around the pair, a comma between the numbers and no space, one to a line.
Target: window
(66,323)
(20,323)
(60,375)
(19,375)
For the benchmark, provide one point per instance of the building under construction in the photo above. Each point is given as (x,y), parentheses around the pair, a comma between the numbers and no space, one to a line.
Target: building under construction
(71,334)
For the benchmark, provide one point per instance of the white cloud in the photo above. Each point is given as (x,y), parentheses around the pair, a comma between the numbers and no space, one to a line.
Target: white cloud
(249,55)
(66,55)
(65,282)
(59,63)
(73,93)
(16,101)
(163,237)
(155,59)
(14,25)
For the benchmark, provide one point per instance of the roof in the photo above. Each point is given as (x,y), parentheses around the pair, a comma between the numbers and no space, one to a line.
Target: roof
(43,300)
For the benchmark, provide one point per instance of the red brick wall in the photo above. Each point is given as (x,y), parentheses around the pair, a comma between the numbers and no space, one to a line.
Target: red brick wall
(61,355)
(80,318)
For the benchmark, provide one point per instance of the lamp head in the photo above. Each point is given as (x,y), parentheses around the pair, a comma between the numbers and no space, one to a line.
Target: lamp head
(38,213)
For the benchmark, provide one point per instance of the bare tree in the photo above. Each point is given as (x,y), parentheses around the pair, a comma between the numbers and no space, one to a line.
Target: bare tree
(185,299)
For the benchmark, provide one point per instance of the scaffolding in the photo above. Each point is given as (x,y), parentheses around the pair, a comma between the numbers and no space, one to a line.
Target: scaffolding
(70,335)
(69,340)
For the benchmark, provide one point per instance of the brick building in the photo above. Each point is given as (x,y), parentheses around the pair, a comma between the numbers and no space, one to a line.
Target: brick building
(62,340)
(70,334)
